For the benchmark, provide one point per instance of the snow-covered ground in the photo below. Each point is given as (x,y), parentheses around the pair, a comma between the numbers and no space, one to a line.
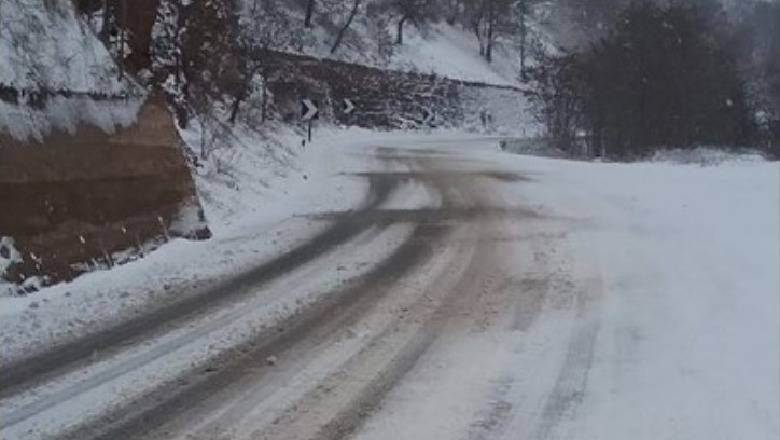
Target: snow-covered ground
(46,49)
(689,343)
(453,52)
(658,290)
(677,335)
(44,44)
(259,194)
(447,50)
(705,156)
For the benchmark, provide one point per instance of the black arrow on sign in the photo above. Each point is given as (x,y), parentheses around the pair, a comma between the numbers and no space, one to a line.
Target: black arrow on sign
(310,109)
(428,116)
(349,106)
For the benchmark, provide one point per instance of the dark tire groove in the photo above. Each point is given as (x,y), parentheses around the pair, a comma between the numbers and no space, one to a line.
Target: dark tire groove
(140,418)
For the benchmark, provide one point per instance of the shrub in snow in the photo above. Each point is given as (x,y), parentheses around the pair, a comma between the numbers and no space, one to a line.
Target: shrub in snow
(8,254)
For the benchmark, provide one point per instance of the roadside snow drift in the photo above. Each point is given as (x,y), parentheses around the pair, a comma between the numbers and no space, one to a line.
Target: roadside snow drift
(678,336)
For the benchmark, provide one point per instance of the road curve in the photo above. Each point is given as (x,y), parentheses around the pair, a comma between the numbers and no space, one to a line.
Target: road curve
(468,271)
(23,372)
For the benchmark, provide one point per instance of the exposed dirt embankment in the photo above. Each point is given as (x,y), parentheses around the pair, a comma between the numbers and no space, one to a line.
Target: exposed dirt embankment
(73,201)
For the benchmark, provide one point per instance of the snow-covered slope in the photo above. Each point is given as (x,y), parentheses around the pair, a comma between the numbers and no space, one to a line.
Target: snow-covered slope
(55,73)
(446,50)
(452,52)
(43,45)
(449,50)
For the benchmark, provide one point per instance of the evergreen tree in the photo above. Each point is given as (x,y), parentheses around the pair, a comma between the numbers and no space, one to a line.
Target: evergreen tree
(661,78)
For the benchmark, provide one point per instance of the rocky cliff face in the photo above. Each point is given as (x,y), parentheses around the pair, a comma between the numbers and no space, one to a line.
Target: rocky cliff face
(72,201)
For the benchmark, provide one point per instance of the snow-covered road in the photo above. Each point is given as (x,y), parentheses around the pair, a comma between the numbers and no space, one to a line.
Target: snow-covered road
(460,293)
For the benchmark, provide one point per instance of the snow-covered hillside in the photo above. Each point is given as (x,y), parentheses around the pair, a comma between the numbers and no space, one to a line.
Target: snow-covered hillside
(43,45)
(442,49)
(429,45)
(55,73)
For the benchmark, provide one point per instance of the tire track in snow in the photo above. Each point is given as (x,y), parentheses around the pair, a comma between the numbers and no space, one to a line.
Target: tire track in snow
(140,418)
(570,386)
(23,373)
(145,418)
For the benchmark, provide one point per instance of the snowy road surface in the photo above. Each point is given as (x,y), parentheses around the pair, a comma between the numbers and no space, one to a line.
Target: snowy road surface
(466,294)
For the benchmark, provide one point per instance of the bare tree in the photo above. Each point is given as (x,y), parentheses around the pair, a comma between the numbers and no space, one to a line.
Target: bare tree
(265,29)
(474,12)
(105,29)
(415,11)
(343,29)
(378,34)
(122,37)
(522,11)
(309,13)
(491,20)
(166,47)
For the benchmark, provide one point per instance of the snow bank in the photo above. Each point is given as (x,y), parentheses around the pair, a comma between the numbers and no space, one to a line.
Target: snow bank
(23,122)
(689,339)
(705,156)
(532,146)
(250,174)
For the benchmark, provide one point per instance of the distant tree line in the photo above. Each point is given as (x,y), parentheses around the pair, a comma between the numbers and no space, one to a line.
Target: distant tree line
(634,77)
(660,77)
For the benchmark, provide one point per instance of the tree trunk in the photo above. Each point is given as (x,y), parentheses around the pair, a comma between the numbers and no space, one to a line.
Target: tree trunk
(523,36)
(479,37)
(264,102)
(347,24)
(121,57)
(105,34)
(489,44)
(309,13)
(234,109)
(400,36)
